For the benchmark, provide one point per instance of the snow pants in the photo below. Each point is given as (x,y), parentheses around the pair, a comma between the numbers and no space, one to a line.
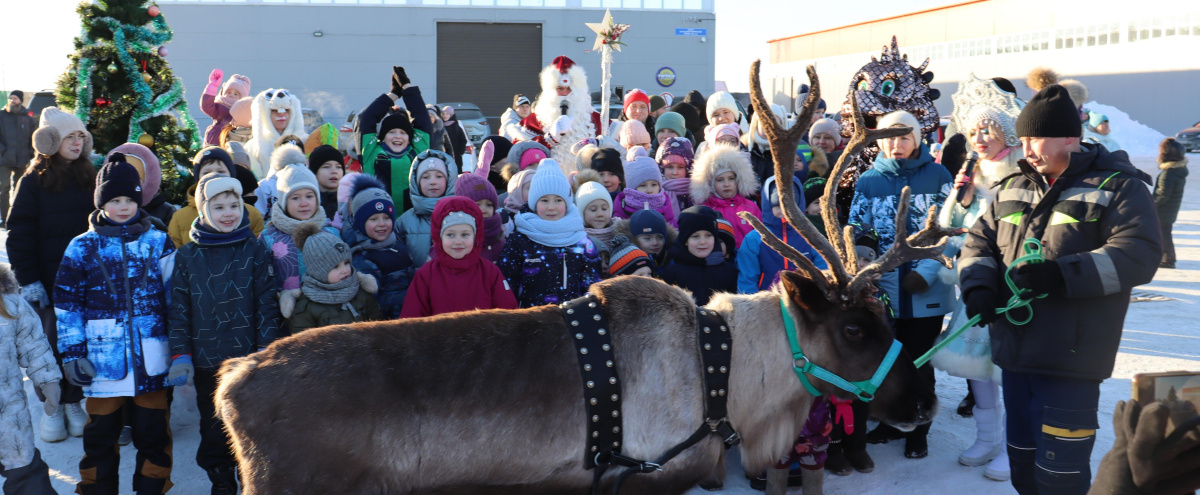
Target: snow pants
(1051,429)
(215,451)
(100,468)
(31,479)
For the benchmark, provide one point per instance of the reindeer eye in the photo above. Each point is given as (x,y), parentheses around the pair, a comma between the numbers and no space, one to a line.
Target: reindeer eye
(854,331)
(888,87)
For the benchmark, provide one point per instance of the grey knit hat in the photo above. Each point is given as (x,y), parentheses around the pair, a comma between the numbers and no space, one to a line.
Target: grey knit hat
(322,250)
(458,218)
(292,179)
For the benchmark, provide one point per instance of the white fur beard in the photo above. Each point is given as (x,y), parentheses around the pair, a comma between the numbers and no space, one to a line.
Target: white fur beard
(579,107)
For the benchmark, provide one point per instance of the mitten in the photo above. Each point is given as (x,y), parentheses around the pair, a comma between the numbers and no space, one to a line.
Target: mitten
(483,166)
(52,392)
(399,80)
(1041,278)
(182,372)
(79,372)
(1114,477)
(915,283)
(214,82)
(982,302)
(36,295)
(1162,463)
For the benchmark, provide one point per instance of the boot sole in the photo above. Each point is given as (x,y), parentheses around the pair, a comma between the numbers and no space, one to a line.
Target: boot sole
(994,476)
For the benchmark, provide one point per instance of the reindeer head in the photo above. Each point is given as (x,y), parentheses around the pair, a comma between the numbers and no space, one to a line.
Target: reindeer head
(843,324)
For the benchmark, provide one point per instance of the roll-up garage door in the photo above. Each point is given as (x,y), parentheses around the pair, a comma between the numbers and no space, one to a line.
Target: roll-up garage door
(486,64)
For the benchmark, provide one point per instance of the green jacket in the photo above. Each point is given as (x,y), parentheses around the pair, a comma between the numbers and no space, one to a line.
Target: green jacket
(303,313)
(395,175)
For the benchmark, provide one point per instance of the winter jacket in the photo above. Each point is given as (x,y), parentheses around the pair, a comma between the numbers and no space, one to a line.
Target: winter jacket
(876,198)
(289,264)
(111,303)
(716,161)
(223,299)
(22,345)
(392,168)
(159,208)
(414,225)
(697,276)
(392,269)
(182,220)
(759,265)
(303,313)
(458,139)
(220,118)
(16,137)
(510,126)
(41,224)
(621,227)
(623,210)
(540,274)
(1168,190)
(1097,222)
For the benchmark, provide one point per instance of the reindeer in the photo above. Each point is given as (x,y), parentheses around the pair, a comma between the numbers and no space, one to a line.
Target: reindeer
(491,401)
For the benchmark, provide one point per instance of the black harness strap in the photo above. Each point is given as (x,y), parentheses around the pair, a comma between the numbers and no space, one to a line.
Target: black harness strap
(602,390)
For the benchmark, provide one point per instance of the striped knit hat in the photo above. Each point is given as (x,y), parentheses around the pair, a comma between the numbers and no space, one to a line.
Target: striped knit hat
(627,258)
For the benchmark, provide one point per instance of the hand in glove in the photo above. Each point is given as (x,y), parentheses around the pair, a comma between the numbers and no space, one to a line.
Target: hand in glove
(1168,466)
(36,295)
(982,302)
(1041,278)
(52,392)
(915,283)
(182,372)
(483,166)
(399,80)
(80,372)
(214,82)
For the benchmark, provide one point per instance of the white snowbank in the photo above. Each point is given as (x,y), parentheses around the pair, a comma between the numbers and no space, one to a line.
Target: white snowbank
(1134,137)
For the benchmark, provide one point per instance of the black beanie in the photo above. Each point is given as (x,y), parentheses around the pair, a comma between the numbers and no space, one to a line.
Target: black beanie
(248,181)
(1005,85)
(211,153)
(1050,114)
(397,120)
(608,160)
(693,220)
(500,148)
(18,93)
(117,178)
(324,153)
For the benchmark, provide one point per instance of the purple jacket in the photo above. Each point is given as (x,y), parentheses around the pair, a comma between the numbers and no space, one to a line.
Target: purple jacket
(220,116)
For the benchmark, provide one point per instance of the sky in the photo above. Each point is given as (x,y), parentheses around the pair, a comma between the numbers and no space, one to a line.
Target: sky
(36,48)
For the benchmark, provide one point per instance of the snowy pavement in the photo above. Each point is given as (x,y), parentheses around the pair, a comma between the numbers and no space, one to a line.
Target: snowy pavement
(1157,338)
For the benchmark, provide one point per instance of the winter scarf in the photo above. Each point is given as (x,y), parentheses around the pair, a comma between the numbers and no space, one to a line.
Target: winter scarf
(326,293)
(604,235)
(631,200)
(209,237)
(566,231)
(677,191)
(368,244)
(287,224)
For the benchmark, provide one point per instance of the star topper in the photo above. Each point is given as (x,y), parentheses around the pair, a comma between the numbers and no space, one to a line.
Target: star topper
(607,33)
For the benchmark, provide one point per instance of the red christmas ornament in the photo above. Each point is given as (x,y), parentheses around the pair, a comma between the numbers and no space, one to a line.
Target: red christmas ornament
(103,102)
(153,11)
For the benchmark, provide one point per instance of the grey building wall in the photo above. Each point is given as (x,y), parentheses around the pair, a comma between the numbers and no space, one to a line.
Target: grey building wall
(351,63)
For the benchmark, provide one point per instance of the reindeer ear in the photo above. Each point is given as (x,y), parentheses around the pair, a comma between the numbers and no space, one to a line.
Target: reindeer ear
(805,292)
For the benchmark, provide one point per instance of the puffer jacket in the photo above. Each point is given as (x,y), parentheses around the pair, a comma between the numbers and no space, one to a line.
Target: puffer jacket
(183,218)
(16,137)
(540,274)
(303,313)
(1168,190)
(414,225)
(22,345)
(758,265)
(289,264)
(1097,221)
(716,161)
(223,299)
(393,168)
(41,223)
(392,269)
(876,198)
(111,302)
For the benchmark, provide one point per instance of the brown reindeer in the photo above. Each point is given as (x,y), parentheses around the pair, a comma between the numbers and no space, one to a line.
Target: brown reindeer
(491,401)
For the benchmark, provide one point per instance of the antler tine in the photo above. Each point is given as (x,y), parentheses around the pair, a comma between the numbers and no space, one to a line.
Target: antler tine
(906,248)
(783,149)
(787,251)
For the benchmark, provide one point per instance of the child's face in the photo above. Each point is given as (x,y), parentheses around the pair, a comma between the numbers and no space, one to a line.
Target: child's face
(597,214)
(865,256)
(486,206)
(814,208)
(664,134)
(226,211)
(673,170)
(551,207)
(378,227)
(396,139)
(700,243)
(211,166)
(458,240)
(727,139)
(642,272)
(637,111)
(302,204)
(120,209)
(433,183)
(72,145)
(611,182)
(280,119)
(232,94)
(329,174)
(650,187)
(722,116)
(1103,129)
(340,272)
(726,185)
(650,243)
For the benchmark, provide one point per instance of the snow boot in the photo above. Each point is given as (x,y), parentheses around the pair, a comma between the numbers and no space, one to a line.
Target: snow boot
(224,481)
(860,460)
(33,479)
(884,434)
(998,469)
(126,436)
(837,463)
(76,419)
(989,439)
(54,426)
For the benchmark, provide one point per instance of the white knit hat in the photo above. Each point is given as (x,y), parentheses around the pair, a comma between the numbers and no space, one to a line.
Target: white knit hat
(900,117)
(292,179)
(549,179)
(55,125)
(211,185)
(722,99)
(591,191)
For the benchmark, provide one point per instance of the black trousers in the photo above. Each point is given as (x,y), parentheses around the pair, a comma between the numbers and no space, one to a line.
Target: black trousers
(99,470)
(1168,243)
(215,451)
(917,336)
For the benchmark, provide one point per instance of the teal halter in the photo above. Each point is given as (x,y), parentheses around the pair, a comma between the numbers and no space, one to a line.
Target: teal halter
(864,390)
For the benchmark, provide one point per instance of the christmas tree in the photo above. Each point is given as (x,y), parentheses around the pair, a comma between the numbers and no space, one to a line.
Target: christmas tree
(121,86)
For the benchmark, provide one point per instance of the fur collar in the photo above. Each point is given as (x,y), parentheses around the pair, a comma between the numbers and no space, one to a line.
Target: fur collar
(1169,165)
(287,298)
(715,161)
(8,280)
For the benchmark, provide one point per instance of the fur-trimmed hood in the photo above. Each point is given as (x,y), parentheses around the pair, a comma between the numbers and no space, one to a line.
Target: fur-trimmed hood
(287,298)
(8,280)
(819,163)
(1162,166)
(716,160)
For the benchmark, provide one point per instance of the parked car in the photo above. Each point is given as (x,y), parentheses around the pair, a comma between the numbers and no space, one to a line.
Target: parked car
(1190,138)
(472,120)
(41,99)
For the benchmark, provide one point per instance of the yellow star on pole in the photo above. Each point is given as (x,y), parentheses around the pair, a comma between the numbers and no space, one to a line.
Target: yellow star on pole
(607,33)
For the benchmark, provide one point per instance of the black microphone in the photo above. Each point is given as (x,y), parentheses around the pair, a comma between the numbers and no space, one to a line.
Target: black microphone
(968,170)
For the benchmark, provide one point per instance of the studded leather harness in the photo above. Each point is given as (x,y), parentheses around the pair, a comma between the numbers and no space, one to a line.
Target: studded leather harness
(602,389)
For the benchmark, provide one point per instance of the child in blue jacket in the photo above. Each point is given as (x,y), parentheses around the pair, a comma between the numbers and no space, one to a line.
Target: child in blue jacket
(758,265)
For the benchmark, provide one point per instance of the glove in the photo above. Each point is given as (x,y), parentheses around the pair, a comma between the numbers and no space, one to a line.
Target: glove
(215,76)
(982,302)
(52,392)
(80,372)
(399,80)
(182,372)
(1041,278)
(36,295)
(1161,463)
(915,283)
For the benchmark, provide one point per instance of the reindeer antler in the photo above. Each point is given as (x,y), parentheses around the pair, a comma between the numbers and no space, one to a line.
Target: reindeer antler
(906,248)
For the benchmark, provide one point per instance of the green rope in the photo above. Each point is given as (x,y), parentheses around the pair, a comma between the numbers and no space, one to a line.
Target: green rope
(1022,298)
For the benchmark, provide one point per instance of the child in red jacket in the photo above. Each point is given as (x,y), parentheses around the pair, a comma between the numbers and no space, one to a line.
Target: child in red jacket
(456,278)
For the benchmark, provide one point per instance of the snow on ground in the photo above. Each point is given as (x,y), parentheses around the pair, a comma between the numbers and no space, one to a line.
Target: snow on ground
(1157,338)
(1135,138)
